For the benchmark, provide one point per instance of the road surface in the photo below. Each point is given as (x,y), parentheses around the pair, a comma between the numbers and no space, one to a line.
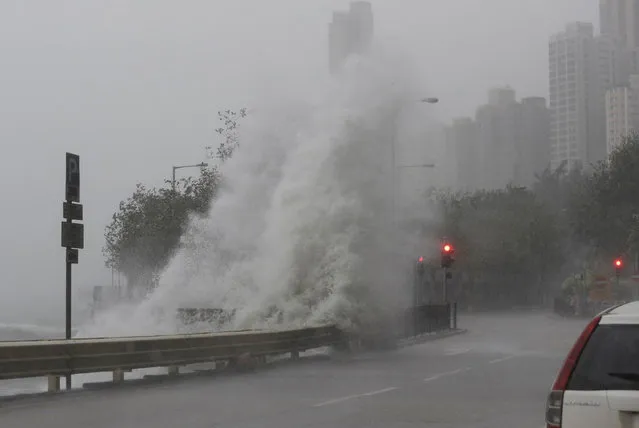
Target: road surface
(496,375)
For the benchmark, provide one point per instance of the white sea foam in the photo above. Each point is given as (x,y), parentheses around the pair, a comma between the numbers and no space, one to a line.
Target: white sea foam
(301,232)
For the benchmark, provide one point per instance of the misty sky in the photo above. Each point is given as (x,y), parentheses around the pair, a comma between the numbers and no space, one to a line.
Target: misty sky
(133,87)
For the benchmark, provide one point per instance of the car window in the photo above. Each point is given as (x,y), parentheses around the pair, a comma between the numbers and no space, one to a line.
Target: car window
(610,360)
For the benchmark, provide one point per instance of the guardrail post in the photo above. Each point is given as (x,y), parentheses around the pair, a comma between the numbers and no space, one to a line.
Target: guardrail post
(174,370)
(53,383)
(118,376)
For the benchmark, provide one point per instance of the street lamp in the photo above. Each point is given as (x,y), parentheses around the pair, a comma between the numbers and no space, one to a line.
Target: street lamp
(393,143)
(175,168)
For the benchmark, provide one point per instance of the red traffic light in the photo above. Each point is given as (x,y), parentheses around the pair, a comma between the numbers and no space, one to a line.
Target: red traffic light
(420,259)
(618,263)
(447,248)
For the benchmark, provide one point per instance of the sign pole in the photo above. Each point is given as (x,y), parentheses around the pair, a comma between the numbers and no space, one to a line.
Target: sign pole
(72,234)
(68,298)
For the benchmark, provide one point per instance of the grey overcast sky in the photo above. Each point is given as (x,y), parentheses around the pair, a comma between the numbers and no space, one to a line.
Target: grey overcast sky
(133,87)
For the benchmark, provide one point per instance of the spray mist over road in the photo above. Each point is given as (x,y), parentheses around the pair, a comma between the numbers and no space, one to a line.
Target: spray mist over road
(301,232)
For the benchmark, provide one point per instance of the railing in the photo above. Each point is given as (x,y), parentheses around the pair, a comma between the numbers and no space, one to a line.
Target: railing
(55,358)
(428,319)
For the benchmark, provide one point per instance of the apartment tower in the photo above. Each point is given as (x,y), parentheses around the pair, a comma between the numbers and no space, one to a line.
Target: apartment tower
(350,32)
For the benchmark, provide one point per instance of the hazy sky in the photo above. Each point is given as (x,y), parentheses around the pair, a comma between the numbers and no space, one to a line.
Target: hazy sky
(133,87)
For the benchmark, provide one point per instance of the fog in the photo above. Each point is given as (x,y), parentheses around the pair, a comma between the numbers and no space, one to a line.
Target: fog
(133,88)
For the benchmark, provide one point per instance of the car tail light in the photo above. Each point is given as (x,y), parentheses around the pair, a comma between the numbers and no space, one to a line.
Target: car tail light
(555,400)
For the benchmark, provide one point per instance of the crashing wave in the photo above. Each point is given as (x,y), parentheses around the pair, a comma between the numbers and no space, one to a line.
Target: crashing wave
(301,233)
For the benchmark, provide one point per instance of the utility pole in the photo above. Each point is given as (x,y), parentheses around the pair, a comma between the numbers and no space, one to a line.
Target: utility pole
(393,148)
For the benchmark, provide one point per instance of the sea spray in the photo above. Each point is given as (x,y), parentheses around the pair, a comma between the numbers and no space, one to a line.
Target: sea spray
(302,230)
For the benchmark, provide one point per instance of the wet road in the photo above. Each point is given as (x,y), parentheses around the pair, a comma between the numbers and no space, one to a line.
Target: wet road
(498,374)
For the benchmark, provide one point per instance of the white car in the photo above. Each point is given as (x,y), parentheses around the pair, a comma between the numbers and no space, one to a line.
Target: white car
(598,384)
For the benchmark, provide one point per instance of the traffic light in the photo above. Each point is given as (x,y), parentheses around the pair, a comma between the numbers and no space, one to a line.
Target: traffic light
(618,265)
(447,255)
(420,266)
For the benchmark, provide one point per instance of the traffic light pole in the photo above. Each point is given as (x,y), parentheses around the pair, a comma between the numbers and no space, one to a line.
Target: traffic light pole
(445,286)
(447,255)
(416,291)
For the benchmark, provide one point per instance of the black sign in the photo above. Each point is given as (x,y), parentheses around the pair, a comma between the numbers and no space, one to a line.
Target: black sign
(72,256)
(72,235)
(72,183)
(75,211)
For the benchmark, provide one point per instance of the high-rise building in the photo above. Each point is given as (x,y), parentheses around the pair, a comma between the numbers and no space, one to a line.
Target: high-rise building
(507,143)
(350,33)
(361,16)
(581,66)
(461,141)
(338,40)
(619,19)
(496,138)
(533,140)
(622,112)
(620,24)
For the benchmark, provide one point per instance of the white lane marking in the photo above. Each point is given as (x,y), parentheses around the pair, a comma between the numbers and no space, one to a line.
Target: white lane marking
(380,391)
(428,379)
(450,373)
(502,359)
(350,397)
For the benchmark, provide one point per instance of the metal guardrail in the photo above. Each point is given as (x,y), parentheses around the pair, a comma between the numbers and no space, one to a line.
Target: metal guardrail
(410,323)
(55,358)
(428,319)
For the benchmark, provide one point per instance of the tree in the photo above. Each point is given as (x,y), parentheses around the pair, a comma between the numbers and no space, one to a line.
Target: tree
(513,242)
(228,132)
(606,206)
(146,230)
(507,241)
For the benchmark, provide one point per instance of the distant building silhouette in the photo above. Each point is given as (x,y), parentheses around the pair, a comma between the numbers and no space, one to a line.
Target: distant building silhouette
(619,22)
(350,33)
(581,67)
(622,112)
(507,143)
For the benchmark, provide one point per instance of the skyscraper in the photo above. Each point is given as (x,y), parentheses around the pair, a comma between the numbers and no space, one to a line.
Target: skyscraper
(619,19)
(533,140)
(496,140)
(338,40)
(620,24)
(622,112)
(461,138)
(507,143)
(581,66)
(350,33)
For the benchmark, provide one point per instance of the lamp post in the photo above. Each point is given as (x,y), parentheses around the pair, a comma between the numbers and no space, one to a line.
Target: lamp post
(393,144)
(175,168)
